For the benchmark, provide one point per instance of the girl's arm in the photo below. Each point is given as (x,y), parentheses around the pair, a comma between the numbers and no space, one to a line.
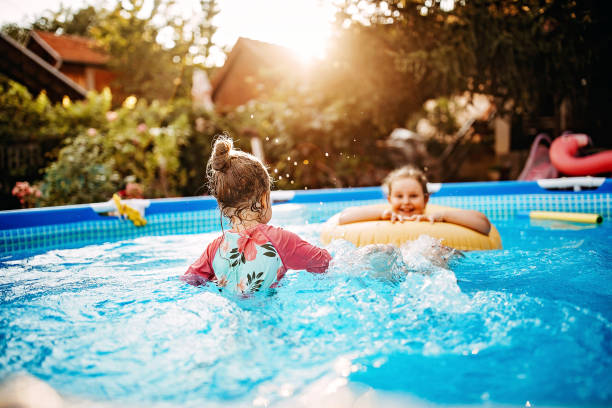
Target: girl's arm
(468,218)
(201,270)
(364,213)
(297,253)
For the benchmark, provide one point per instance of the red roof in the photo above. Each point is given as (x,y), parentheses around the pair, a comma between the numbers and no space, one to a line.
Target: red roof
(263,54)
(72,48)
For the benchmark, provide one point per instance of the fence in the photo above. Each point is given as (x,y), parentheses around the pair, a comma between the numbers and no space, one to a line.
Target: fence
(19,158)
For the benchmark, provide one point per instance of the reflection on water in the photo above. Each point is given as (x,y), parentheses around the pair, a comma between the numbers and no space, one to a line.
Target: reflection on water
(411,326)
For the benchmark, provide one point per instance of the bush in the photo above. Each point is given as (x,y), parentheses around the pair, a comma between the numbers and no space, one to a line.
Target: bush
(138,141)
(310,143)
(88,149)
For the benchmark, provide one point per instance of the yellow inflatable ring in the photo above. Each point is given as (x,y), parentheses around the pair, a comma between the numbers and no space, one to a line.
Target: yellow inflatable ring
(385,232)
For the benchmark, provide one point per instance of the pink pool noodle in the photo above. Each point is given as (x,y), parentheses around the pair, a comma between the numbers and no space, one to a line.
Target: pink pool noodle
(563,150)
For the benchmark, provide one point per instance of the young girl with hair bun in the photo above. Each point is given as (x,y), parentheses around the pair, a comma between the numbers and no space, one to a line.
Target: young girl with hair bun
(252,256)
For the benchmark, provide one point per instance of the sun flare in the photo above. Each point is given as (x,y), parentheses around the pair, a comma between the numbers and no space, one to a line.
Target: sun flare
(303,26)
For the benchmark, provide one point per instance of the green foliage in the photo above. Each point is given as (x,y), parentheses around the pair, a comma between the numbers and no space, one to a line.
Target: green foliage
(63,21)
(204,125)
(527,51)
(324,129)
(67,21)
(28,138)
(139,140)
(143,67)
(154,53)
(153,49)
(21,116)
(83,173)
(309,143)
(16,32)
(90,150)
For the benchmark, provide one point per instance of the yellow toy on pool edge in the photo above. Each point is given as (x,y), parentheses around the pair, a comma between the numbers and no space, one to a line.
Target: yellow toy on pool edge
(385,232)
(129,212)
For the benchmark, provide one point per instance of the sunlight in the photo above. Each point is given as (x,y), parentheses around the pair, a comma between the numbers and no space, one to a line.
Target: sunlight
(303,26)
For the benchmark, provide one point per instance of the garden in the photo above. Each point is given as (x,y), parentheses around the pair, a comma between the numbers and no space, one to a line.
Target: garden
(389,65)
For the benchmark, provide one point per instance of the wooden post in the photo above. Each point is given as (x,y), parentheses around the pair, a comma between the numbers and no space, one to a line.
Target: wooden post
(502,135)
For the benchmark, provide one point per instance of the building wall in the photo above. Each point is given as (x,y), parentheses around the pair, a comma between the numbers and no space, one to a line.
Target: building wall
(90,78)
(103,78)
(240,84)
(75,72)
(249,77)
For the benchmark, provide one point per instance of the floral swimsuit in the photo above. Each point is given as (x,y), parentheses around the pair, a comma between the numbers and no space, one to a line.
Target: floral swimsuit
(246,263)
(250,261)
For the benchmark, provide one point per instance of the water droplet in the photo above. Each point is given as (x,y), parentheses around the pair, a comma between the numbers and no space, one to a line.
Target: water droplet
(326,154)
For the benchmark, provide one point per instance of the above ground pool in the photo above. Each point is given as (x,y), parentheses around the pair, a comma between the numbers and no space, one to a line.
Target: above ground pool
(92,309)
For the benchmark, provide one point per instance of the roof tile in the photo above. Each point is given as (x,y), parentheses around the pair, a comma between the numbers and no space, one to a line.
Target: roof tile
(73,48)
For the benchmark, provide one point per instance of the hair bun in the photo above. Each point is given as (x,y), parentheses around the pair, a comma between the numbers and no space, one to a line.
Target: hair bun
(221,154)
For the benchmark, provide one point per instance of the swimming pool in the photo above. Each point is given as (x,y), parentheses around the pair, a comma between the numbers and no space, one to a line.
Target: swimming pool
(526,325)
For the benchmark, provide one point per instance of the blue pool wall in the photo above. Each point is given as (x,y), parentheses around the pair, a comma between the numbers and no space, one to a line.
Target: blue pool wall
(55,227)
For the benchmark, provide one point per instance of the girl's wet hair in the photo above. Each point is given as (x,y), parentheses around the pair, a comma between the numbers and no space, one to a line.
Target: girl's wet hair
(405,172)
(236,179)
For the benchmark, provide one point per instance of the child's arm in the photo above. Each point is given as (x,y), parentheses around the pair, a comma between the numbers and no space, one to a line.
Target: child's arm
(201,270)
(364,213)
(297,253)
(468,218)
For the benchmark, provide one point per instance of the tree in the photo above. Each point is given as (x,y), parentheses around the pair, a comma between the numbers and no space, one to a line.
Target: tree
(67,21)
(154,45)
(63,21)
(528,51)
(154,51)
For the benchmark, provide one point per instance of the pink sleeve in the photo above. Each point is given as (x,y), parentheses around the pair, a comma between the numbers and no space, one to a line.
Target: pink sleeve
(201,271)
(297,253)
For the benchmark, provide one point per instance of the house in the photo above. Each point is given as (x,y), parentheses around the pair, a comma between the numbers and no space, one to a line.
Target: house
(252,69)
(25,67)
(76,57)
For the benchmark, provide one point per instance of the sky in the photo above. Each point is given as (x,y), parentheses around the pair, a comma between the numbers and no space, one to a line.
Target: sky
(302,25)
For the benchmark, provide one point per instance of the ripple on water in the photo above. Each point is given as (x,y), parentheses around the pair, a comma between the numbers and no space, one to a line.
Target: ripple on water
(115,322)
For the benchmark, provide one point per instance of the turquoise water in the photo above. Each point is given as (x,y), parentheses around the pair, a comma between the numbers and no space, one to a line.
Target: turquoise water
(112,322)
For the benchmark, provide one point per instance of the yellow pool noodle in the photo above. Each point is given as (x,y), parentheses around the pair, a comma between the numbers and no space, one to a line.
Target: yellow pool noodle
(586,218)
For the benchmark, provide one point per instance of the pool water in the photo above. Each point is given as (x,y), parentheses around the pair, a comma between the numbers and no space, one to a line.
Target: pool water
(529,325)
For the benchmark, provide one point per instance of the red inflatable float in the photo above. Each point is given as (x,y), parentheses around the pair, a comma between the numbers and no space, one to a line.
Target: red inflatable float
(562,155)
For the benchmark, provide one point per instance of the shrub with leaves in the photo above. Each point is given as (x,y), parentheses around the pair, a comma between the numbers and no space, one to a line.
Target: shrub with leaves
(312,143)
(138,141)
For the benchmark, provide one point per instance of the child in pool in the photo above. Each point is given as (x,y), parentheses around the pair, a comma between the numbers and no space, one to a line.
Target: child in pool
(252,256)
(407,194)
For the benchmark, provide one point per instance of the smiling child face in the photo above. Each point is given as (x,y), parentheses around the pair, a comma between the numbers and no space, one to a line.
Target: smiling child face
(406,197)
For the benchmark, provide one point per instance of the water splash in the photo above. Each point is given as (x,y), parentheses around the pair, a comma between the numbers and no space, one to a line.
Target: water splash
(113,321)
